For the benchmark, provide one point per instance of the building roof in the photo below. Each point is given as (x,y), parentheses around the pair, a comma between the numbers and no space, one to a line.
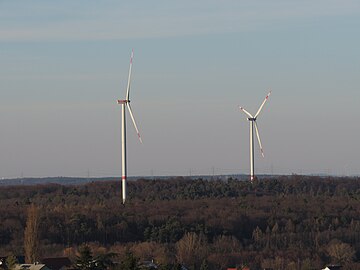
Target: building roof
(333,267)
(57,263)
(37,266)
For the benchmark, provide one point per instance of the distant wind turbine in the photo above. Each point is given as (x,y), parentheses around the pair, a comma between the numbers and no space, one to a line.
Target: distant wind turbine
(252,120)
(123,103)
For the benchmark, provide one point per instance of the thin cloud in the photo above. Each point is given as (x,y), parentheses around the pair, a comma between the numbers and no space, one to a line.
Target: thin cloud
(131,21)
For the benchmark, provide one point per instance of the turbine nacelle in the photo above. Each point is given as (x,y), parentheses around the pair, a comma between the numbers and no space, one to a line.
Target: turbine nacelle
(123,101)
(252,119)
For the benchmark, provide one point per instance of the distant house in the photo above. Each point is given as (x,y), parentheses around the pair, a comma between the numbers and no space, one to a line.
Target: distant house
(60,263)
(148,265)
(34,266)
(332,267)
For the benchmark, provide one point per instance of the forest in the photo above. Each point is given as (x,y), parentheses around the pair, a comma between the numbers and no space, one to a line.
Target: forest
(284,222)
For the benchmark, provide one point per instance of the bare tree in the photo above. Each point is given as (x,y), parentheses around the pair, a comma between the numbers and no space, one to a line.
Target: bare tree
(257,235)
(226,244)
(146,251)
(31,235)
(341,252)
(191,249)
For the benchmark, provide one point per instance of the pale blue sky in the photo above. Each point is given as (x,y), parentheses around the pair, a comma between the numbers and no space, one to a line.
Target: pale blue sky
(64,64)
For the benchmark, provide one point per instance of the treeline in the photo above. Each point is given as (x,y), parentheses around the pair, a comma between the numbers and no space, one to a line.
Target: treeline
(288,221)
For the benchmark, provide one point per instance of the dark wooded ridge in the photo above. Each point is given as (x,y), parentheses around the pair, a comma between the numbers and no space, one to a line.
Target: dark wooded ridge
(288,220)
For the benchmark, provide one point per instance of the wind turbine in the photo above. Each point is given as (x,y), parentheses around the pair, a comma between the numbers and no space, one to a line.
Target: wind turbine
(126,103)
(252,120)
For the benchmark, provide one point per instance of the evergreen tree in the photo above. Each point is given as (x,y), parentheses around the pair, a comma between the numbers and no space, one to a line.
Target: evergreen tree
(11,261)
(204,265)
(104,261)
(130,262)
(85,260)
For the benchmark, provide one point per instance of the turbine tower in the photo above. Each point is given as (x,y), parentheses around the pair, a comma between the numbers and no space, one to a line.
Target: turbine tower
(252,120)
(126,103)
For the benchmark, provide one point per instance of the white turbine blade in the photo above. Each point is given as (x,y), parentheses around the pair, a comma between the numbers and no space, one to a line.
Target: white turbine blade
(246,112)
(133,119)
(129,78)
(258,137)
(262,105)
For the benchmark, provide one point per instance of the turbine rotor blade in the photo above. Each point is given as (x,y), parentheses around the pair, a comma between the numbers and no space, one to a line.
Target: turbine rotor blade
(246,112)
(258,137)
(133,120)
(262,105)
(129,78)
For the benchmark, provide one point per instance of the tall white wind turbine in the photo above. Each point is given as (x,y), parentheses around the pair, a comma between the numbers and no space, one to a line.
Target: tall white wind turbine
(252,120)
(126,103)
